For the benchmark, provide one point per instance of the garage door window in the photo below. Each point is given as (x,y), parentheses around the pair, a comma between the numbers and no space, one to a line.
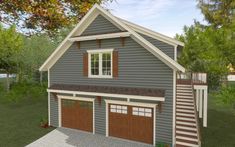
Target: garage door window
(147,112)
(118,109)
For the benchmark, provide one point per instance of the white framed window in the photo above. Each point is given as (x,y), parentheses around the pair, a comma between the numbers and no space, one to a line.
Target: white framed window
(100,63)
(138,111)
(118,109)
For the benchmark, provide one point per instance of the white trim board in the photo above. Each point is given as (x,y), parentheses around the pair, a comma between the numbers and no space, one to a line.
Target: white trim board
(102,36)
(87,19)
(79,99)
(109,95)
(149,105)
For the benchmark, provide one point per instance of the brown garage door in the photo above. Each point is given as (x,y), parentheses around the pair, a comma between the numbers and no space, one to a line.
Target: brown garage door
(77,114)
(131,122)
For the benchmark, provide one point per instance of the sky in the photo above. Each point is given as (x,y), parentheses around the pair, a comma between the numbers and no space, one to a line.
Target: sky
(164,16)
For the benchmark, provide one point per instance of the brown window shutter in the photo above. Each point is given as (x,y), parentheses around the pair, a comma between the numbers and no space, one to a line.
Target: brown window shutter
(115,63)
(85,64)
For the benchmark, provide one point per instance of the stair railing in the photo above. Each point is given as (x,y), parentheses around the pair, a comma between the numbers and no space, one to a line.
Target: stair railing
(196,116)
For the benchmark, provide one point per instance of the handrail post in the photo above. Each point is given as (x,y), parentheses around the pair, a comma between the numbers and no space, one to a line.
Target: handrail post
(205,108)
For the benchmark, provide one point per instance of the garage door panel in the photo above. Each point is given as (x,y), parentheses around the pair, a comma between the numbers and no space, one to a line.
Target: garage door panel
(119,123)
(77,114)
(141,129)
(136,124)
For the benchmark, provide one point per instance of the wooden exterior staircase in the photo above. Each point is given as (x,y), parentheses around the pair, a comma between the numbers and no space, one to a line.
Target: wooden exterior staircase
(191,104)
(187,131)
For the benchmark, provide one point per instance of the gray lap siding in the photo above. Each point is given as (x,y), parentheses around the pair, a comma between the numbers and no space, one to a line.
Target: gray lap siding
(137,68)
(164,47)
(100,26)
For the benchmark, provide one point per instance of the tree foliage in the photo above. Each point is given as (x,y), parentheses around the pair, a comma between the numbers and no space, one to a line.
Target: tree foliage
(11,44)
(41,15)
(218,12)
(211,48)
(203,52)
(36,50)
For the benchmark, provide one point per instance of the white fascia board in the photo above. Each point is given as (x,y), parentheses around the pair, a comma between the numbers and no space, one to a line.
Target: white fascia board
(151,98)
(102,36)
(152,33)
(65,44)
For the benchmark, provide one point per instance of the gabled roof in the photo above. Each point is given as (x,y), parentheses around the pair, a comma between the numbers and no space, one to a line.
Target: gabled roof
(84,23)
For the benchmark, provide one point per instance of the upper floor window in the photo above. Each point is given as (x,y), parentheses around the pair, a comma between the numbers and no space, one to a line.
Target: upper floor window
(100,63)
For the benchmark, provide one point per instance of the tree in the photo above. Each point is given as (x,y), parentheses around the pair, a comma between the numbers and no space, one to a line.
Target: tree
(41,15)
(221,15)
(203,52)
(218,12)
(36,49)
(10,45)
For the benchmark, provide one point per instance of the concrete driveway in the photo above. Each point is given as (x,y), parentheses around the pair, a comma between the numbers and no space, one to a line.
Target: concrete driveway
(64,137)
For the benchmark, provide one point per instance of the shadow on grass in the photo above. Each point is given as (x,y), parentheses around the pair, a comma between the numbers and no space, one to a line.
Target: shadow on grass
(220,131)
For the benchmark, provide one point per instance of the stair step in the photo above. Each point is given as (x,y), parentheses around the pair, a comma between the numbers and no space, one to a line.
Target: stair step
(184,100)
(185,107)
(186,128)
(186,133)
(184,110)
(190,126)
(185,97)
(185,104)
(186,144)
(188,141)
(186,138)
(185,93)
(186,123)
(186,88)
(185,118)
(185,114)
(183,85)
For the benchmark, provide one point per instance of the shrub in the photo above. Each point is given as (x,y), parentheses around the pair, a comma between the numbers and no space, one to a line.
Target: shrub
(162,144)
(24,91)
(226,96)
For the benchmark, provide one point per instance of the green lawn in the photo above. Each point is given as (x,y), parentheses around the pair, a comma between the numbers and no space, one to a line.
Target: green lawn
(20,122)
(221,126)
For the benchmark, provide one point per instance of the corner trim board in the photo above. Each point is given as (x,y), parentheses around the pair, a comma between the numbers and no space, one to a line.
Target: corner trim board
(49,99)
(174,108)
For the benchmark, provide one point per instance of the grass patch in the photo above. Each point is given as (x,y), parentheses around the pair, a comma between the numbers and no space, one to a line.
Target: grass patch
(20,119)
(221,129)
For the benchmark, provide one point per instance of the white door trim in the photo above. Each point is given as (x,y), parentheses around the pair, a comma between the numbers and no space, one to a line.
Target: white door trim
(149,105)
(79,99)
